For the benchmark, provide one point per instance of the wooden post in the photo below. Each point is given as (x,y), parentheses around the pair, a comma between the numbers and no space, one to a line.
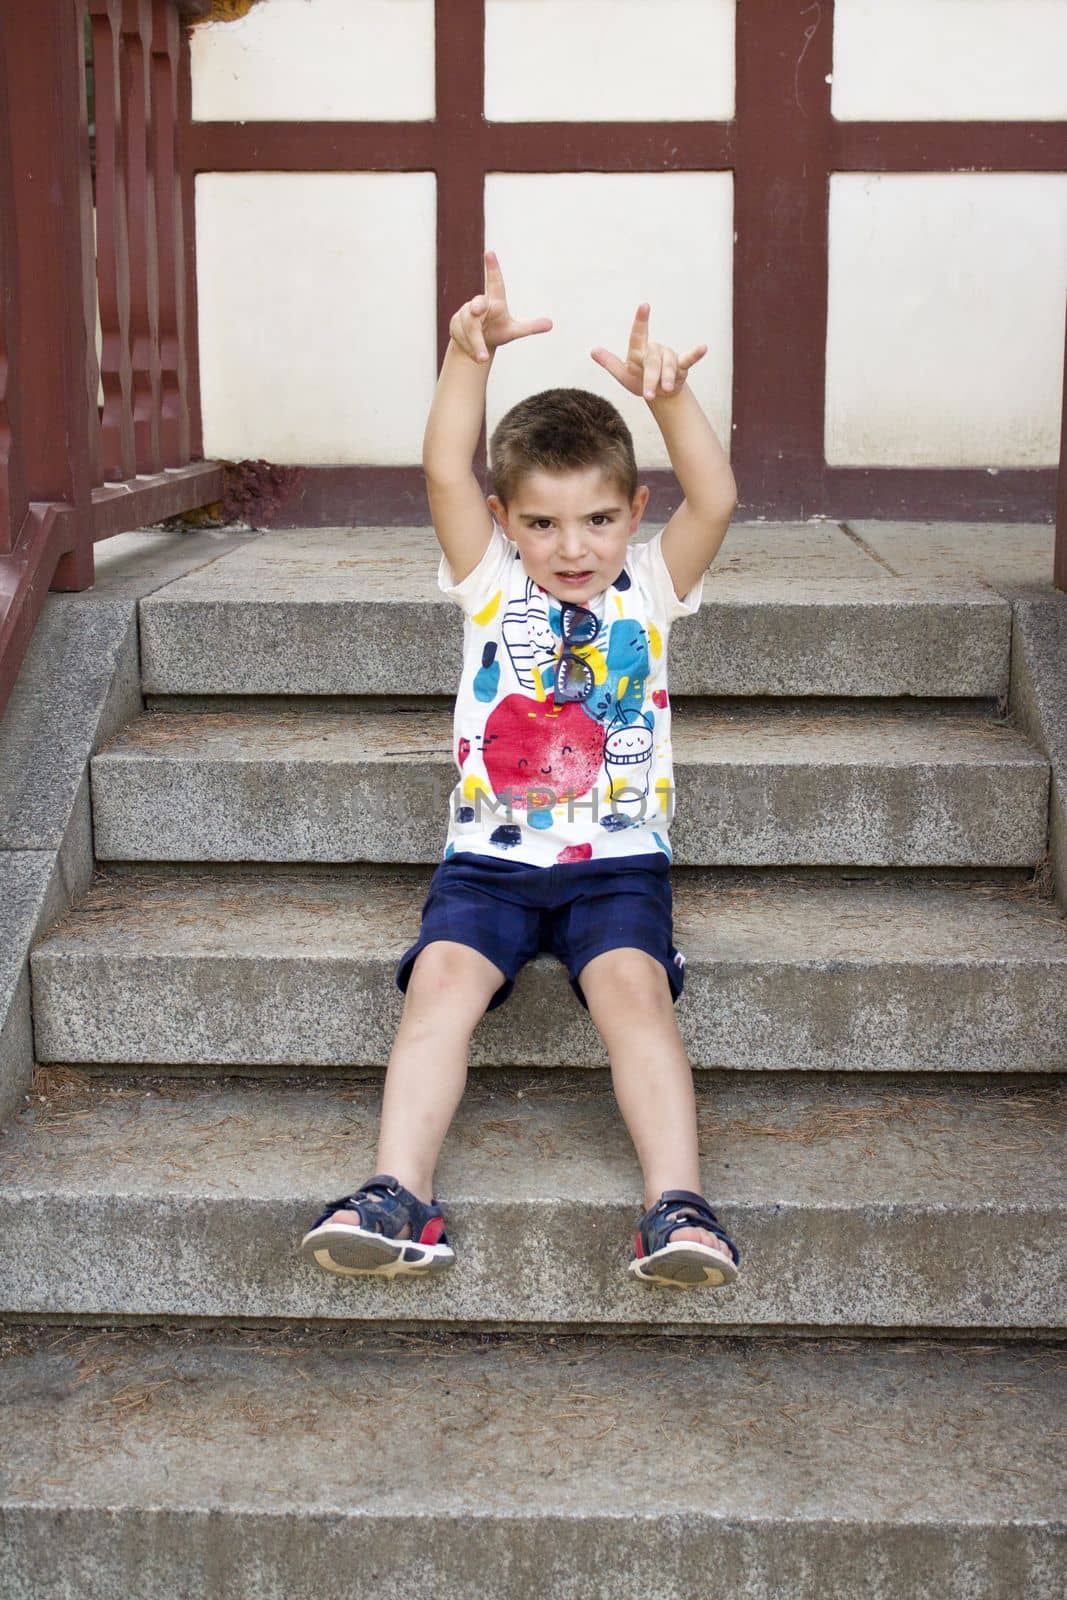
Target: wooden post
(42,49)
(13,497)
(1059,553)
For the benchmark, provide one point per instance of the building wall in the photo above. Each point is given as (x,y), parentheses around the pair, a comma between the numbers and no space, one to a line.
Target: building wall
(319,310)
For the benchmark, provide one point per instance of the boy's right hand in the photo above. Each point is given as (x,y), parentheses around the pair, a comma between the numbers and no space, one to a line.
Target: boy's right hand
(485,322)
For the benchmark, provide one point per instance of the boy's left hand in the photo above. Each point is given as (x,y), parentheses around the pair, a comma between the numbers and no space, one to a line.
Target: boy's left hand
(651,370)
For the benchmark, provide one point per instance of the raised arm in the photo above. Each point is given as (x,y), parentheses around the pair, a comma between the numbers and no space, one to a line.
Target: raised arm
(693,535)
(460,515)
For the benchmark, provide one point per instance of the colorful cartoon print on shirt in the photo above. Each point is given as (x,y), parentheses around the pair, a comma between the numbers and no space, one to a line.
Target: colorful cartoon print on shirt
(628,760)
(627,664)
(535,744)
(487,678)
(522,758)
(528,637)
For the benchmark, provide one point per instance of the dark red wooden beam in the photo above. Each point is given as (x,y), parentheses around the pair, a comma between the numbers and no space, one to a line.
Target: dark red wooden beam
(312,146)
(118,507)
(488,147)
(781,196)
(459,71)
(948,146)
(611,146)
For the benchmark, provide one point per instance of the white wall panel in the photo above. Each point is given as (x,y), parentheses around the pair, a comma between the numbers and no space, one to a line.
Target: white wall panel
(317,314)
(945,319)
(323,60)
(585,249)
(609,60)
(944,60)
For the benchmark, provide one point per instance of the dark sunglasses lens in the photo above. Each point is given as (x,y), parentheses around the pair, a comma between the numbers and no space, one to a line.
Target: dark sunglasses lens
(574,679)
(578,624)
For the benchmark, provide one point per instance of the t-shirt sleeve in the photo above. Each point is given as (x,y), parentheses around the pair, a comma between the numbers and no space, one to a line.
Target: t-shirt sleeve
(478,587)
(648,563)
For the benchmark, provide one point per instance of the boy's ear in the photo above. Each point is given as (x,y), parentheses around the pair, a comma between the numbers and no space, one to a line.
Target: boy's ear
(498,509)
(638,506)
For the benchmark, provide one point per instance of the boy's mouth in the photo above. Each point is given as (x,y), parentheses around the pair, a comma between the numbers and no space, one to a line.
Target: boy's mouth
(574,577)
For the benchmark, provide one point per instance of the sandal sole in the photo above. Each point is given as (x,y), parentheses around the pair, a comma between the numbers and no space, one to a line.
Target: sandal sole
(684,1265)
(356,1252)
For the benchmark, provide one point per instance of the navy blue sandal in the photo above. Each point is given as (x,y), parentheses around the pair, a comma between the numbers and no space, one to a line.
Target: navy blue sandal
(685,1264)
(384,1206)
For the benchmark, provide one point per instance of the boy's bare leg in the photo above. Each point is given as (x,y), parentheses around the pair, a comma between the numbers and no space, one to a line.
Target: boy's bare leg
(629,1000)
(449,987)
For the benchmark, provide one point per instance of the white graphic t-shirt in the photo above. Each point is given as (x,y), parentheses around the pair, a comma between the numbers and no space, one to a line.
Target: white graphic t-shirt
(544,783)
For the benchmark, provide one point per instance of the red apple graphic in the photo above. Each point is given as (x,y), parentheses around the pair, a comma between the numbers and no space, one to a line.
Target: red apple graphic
(575,852)
(539,745)
(659,698)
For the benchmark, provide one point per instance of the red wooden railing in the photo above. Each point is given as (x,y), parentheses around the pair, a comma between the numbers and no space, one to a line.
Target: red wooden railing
(73,471)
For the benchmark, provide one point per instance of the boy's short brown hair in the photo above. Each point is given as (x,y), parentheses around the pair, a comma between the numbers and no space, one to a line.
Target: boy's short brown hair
(557,430)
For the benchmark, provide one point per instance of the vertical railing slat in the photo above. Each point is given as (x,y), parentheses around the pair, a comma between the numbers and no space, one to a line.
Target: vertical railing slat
(112,252)
(88,258)
(174,405)
(141,224)
(187,264)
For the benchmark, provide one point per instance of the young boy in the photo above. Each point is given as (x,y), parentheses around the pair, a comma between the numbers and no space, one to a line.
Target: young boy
(557,835)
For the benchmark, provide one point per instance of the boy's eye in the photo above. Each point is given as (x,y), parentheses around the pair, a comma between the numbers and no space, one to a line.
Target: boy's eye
(541,523)
(599,518)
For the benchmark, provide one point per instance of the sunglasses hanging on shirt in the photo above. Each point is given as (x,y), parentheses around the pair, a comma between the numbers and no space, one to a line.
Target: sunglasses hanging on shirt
(574,677)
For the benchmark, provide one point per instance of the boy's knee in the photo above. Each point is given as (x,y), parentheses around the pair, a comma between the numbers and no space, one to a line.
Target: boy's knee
(446,974)
(627,982)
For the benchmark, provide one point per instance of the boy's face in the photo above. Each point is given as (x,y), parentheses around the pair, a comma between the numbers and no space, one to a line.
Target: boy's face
(572,529)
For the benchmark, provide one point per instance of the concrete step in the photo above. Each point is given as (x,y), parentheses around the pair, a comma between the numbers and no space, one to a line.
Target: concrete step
(255,966)
(859,1206)
(763,786)
(341,1467)
(787,610)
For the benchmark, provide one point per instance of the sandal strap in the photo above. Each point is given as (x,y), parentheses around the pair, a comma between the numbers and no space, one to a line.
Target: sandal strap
(383,1199)
(680,1208)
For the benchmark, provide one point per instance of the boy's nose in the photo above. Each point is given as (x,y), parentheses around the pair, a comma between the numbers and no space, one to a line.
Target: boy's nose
(571,542)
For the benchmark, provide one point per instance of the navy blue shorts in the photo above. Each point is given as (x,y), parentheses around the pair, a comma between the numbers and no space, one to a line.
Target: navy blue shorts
(510,911)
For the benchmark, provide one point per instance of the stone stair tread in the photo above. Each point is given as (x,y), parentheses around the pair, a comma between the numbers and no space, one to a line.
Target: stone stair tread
(150,912)
(757,786)
(853,1203)
(903,1146)
(761,562)
(788,609)
(701,736)
(581,1448)
(1007,556)
(276,967)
